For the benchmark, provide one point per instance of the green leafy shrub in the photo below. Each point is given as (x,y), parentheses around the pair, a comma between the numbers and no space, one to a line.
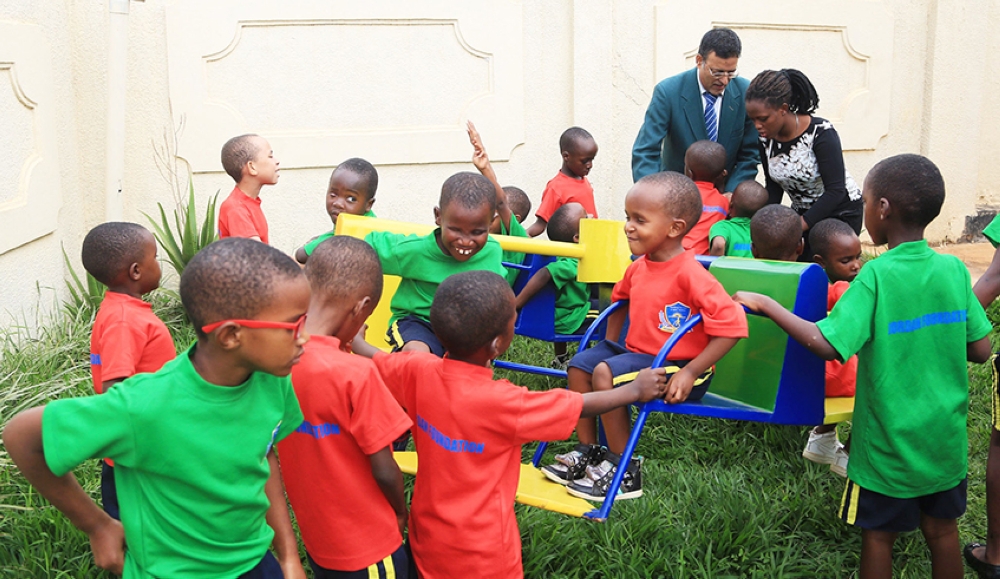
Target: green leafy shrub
(182,240)
(83,297)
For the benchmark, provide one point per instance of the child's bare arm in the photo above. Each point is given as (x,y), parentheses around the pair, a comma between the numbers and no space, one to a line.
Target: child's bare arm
(300,255)
(988,287)
(648,385)
(718,247)
(680,385)
(286,548)
(23,439)
(802,331)
(615,322)
(361,347)
(534,285)
(979,351)
(536,228)
(482,162)
(390,480)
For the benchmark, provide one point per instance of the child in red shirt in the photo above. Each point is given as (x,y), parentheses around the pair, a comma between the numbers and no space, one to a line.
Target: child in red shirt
(339,473)
(570,184)
(705,164)
(127,338)
(664,287)
(470,427)
(249,160)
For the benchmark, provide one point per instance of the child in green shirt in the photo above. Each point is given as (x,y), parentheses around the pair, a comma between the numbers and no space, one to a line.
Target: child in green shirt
(731,237)
(351,190)
(197,478)
(913,320)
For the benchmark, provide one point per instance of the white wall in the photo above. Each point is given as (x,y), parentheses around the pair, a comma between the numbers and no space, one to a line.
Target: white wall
(394,81)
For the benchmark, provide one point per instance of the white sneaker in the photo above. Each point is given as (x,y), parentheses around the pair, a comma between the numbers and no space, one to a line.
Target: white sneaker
(821,448)
(839,464)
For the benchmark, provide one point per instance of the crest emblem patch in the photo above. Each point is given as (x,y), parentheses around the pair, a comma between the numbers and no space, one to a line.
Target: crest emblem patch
(672,316)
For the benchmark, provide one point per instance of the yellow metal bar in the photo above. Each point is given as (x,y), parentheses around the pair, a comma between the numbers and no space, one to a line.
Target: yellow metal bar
(838,410)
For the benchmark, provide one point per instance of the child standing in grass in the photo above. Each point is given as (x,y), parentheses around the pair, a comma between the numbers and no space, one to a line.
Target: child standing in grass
(660,209)
(731,236)
(913,320)
(705,164)
(460,243)
(127,338)
(470,429)
(570,183)
(351,190)
(197,477)
(249,160)
(338,470)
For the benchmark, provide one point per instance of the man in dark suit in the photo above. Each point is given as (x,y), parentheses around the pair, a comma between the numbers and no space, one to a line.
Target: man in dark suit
(706,102)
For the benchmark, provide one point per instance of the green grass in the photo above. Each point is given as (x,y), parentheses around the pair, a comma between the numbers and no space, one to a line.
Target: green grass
(722,499)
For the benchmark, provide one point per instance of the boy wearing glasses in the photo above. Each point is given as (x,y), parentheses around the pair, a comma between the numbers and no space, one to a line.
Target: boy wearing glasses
(706,102)
(197,478)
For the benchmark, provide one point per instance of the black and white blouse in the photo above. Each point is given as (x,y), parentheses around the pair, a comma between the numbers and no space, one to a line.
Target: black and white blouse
(810,168)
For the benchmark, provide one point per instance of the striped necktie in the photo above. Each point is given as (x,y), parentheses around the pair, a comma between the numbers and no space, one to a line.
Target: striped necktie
(711,122)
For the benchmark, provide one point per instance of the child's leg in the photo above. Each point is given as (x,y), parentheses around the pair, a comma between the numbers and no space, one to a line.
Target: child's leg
(580,381)
(942,539)
(876,554)
(992,554)
(616,422)
(824,428)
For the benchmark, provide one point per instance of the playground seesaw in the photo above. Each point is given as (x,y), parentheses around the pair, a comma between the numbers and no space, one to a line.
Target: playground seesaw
(767,377)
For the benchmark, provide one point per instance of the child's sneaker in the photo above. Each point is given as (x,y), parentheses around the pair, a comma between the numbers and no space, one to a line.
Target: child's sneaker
(595,486)
(821,447)
(839,464)
(573,465)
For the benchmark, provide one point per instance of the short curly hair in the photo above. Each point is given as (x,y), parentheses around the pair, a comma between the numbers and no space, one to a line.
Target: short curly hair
(470,190)
(237,152)
(775,231)
(470,309)
(344,268)
(111,248)
(233,278)
(678,195)
(912,184)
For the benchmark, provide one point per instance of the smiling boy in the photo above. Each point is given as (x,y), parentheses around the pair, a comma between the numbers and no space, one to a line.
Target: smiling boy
(460,243)
(197,478)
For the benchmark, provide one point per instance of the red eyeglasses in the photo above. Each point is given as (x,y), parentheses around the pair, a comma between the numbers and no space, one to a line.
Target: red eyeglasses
(295,327)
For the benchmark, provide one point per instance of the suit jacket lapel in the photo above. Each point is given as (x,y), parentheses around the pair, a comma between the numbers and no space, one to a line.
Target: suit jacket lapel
(694,105)
(727,119)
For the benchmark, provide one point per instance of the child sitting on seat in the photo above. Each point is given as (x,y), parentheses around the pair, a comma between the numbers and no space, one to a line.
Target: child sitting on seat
(249,160)
(127,338)
(663,288)
(460,243)
(913,319)
(470,428)
(705,164)
(572,309)
(731,237)
(196,473)
(351,190)
(342,482)
(772,235)
(837,249)
(570,184)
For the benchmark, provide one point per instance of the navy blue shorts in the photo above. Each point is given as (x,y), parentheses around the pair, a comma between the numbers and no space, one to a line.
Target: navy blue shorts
(626,364)
(268,568)
(877,512)
(395,565)
(109,492)
(413,329)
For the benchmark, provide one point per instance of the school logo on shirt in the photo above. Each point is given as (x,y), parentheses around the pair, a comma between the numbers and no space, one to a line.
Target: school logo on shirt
(672,316)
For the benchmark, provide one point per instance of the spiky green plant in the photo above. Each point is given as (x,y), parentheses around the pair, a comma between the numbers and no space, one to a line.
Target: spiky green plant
(184,238)
(82,296)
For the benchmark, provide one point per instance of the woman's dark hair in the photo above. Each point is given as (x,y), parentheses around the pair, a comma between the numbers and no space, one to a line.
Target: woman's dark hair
(785,86)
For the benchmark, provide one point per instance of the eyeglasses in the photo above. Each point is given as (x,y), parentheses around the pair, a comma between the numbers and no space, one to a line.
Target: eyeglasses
(295,327)
(722,73)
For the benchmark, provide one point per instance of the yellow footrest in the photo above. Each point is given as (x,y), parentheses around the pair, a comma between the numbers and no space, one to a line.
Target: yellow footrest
(839,410)
(533,489)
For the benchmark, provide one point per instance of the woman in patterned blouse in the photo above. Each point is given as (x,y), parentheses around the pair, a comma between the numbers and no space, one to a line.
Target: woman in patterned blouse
(801,152)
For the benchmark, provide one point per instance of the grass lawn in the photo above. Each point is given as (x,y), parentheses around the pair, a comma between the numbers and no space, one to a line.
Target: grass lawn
(722,499)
